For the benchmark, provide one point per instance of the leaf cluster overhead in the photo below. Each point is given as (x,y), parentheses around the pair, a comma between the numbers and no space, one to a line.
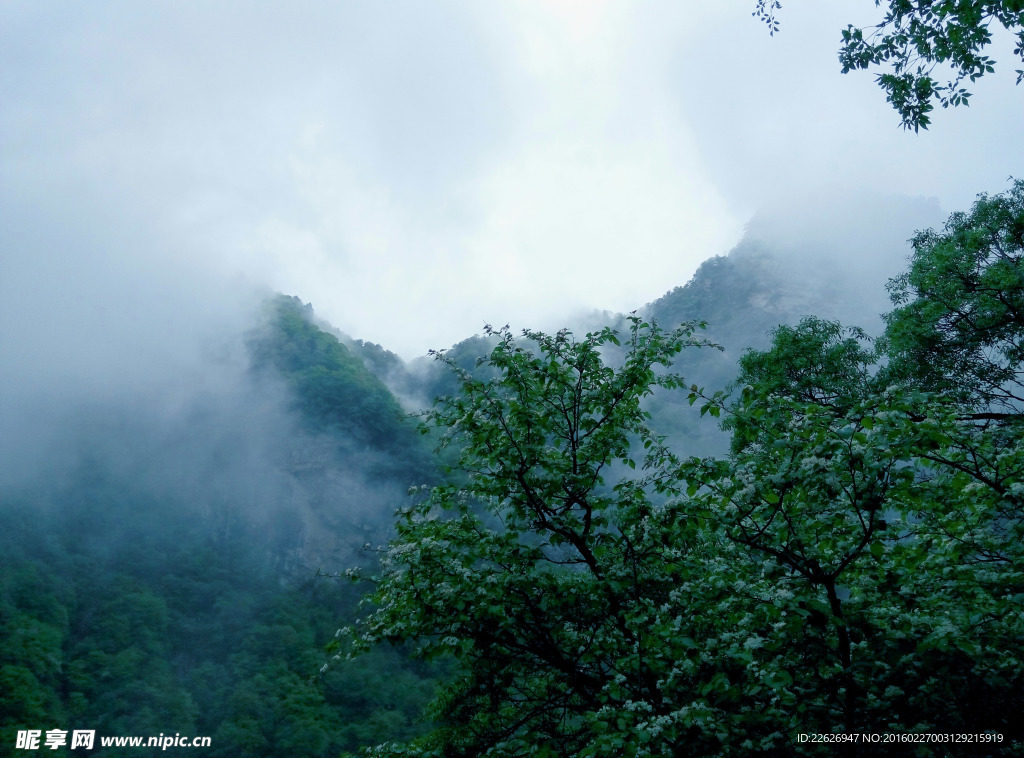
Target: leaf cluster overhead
(921,42)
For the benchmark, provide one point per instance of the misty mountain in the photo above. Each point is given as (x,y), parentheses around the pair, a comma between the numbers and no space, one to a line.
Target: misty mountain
(162,523)
(160,555)
(353,453)
(829,256)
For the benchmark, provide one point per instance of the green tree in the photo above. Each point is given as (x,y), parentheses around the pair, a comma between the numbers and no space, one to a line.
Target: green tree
(853,564)
(958,325)
(858,500)
(917,37)
(957,332)
(810,363)
(569,589)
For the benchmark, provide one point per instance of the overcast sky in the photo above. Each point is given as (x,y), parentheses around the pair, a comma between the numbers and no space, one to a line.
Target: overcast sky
(418,169)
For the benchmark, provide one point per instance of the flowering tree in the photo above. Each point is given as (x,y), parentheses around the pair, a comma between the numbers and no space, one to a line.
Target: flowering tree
(574,593)
(853,565)
(888,519)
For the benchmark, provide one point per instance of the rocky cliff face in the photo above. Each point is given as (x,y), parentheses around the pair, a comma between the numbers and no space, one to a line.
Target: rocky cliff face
(828,257)
(825,257)
(339,506)
(349,455)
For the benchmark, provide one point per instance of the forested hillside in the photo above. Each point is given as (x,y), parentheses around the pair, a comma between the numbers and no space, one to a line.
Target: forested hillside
(164,579)
(524,379)
(163,566)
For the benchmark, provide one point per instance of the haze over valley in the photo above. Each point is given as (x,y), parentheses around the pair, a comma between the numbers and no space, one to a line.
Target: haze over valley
(244,252)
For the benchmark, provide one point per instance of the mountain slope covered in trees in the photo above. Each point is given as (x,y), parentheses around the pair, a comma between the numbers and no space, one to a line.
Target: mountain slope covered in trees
(160,569)
(164,581)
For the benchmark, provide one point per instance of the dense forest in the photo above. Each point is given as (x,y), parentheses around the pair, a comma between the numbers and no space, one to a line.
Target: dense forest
(638,540)
(165,583)
(777,511)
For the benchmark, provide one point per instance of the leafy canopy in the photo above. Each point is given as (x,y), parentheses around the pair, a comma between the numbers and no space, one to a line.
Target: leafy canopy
(917,37)
(854,564)
(895,522)
(959,322)
(557,575)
